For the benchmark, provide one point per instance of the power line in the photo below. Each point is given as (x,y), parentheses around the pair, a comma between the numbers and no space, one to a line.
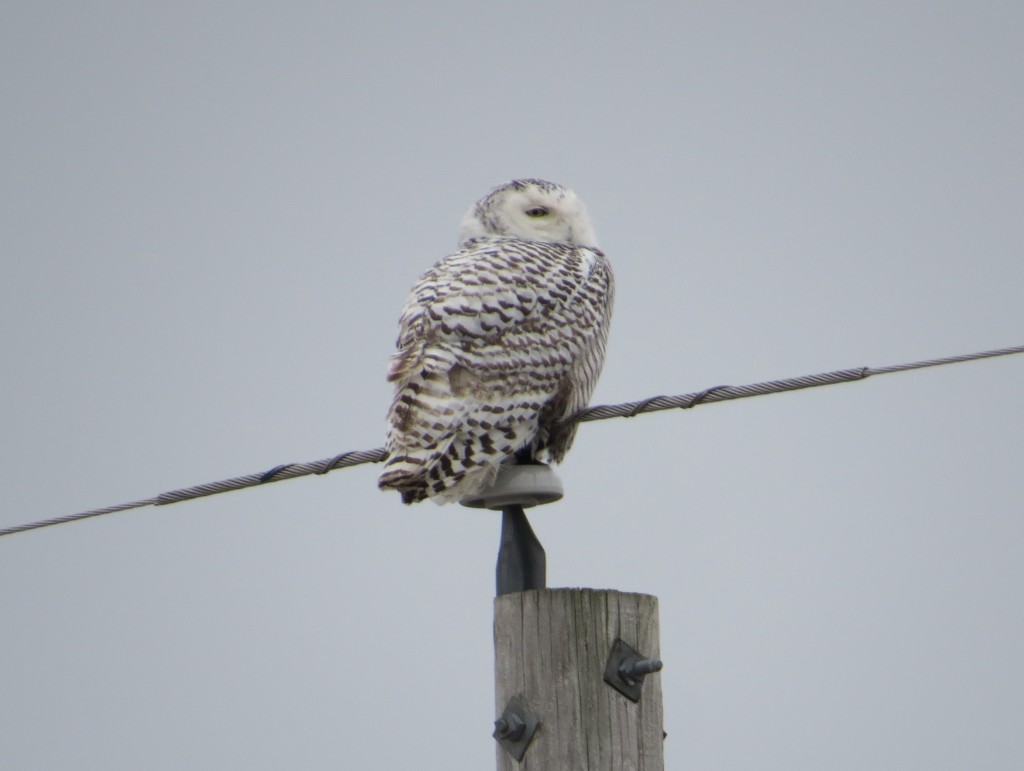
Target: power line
(726,393)
(602,412)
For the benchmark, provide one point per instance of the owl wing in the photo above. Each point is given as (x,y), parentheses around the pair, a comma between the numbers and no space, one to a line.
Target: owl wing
(496,345)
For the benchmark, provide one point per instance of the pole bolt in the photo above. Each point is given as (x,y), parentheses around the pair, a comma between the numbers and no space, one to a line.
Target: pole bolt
(516,727)
(627,668)
(634,670)
(511,728)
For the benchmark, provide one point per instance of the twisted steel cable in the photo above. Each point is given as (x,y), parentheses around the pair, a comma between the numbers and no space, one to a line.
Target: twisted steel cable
(602,412)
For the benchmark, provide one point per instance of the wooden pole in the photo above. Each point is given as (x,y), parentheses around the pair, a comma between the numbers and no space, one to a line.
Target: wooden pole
(551,651)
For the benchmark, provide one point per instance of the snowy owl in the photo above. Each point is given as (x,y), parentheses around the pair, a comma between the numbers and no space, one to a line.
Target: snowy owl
(498,344)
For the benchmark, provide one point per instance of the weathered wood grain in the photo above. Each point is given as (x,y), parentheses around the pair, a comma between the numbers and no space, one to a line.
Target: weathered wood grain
(551,647)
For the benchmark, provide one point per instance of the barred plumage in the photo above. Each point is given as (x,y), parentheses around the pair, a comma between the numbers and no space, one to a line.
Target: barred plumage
(498,343)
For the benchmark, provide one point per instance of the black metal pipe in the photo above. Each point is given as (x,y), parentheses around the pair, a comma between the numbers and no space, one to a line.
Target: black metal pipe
(522,563)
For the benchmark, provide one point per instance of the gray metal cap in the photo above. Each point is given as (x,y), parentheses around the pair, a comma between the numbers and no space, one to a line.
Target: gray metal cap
(528,485)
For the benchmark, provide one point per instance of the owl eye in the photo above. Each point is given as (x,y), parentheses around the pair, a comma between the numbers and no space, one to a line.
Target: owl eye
(537,211)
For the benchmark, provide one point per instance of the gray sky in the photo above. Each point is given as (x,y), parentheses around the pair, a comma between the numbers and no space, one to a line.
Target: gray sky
(211,214)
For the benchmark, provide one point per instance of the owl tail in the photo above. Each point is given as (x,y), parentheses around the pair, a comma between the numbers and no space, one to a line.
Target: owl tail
(443,476)
(405,476)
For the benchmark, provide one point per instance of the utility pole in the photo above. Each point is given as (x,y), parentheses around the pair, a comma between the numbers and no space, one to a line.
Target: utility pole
(572,691)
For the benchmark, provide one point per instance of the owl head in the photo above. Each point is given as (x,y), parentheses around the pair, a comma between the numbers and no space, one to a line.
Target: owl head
(531,209)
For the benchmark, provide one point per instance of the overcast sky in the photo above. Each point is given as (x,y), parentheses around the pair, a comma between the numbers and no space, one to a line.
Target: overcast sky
(211,215)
